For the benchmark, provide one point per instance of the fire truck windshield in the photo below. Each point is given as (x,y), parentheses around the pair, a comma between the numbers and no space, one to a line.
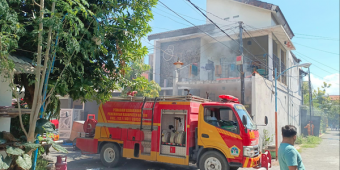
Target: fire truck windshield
(241,110)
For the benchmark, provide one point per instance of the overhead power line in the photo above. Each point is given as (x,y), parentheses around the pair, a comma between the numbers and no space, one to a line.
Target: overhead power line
(210,19)
(316,61)
(181,14)
(207,33)
(315,36)
(316,49)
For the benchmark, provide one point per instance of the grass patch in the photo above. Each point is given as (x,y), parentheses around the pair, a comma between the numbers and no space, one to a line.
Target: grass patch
(308,142)
(309,146)
(313,140)
(299,150)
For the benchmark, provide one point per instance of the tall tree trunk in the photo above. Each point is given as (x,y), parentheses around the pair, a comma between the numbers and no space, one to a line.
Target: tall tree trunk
(37,94)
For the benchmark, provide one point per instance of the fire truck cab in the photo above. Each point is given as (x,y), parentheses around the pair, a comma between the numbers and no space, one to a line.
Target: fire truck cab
(177,130)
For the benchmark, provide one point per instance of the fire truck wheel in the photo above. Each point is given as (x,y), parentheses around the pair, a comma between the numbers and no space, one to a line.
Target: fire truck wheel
(110,155)
(213,160)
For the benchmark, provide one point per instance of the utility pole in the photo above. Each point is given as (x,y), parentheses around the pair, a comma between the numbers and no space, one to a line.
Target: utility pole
(241,65)
(310,97)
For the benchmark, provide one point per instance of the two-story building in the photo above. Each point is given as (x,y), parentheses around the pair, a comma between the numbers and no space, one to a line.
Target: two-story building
(209,59)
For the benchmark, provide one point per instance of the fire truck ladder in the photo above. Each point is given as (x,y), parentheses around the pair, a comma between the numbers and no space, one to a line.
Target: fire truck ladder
(146,143)
(142,110)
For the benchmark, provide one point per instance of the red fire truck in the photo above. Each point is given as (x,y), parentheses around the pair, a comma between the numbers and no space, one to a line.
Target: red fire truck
(177,130)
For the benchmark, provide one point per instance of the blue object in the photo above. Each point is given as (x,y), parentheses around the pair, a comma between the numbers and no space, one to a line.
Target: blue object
(232,67)
(276,77)
(45,88)
(194,70)
(289,156)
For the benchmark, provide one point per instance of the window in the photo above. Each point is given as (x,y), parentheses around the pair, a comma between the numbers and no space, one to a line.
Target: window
(283,66)
(223,118)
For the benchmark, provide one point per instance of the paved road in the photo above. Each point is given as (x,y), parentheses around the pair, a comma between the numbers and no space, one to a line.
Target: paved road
(323,157)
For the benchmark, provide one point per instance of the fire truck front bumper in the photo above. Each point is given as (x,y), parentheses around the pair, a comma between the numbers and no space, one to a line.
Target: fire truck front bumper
(261,162)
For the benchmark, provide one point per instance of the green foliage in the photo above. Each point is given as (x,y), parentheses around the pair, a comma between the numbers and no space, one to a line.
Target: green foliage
(11,30)
(308,142)
(83,68)
(24,162)
(59,148)
(5,163)
(14,151)
(44,125)
(327,109)
(137,82)
(18,152)
(16,129)
(266,140)
(41,163)
(313,140)
(300,139)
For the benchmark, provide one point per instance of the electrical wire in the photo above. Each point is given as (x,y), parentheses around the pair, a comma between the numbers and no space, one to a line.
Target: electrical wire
(314,36)
(208,34)
(316,49)
(316,61)
(181,14)
(171,19)
(226,34)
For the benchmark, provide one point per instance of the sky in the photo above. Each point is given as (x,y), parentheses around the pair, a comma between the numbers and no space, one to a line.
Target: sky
(314,23)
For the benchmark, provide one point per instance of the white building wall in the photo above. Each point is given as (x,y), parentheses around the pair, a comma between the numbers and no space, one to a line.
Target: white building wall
(250,15)
(5,100)
(5,124)
(156,62)
(264,101)
(5,91)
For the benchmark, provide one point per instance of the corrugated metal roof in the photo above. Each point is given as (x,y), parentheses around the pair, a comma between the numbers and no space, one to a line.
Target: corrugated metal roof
(21,66)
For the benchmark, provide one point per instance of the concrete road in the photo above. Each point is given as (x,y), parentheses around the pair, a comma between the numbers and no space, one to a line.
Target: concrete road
(323,157)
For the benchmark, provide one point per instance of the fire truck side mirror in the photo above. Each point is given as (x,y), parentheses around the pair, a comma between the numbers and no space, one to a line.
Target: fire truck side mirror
(266,120)
(244,120)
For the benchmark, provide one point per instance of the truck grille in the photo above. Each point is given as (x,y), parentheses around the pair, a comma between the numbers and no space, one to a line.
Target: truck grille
(256,151)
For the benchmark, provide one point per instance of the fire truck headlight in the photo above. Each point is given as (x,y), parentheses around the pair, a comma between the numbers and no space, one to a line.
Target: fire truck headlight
(248,151)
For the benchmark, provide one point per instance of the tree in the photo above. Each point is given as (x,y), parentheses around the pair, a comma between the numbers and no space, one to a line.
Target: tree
(95,40)
(143,86)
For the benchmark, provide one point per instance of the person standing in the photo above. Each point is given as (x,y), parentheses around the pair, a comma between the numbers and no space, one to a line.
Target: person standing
(312,127)
(308,126)
(289,157)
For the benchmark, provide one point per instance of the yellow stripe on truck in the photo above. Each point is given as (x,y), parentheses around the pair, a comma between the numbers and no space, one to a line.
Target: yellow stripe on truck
(246,163)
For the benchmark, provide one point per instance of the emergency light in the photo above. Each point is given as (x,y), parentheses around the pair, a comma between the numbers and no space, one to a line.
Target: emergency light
(229,98)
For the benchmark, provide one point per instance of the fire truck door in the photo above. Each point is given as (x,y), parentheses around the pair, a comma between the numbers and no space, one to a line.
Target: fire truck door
(212,131)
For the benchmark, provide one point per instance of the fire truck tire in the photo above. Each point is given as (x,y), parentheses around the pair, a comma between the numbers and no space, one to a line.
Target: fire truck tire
(110,155)
(213,160)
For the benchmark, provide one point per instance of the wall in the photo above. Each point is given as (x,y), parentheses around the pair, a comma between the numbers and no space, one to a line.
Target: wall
(66,103)
(264,105)
(5,91)
(246,13)
(295,99)
(188,51)
(91,107)
(5,124)
(5,100)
